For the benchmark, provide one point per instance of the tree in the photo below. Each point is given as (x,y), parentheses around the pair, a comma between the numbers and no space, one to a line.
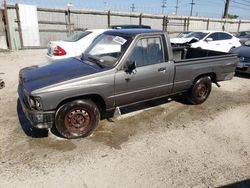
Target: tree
(232,16)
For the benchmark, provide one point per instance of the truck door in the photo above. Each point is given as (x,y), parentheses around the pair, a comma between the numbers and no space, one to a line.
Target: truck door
(150,78)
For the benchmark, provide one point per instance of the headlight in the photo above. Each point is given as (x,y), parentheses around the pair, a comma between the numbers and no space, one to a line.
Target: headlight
(242,58)
(35,103)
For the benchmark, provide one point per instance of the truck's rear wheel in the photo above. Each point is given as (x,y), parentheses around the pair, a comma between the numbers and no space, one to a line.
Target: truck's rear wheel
(200,90)
(77,118)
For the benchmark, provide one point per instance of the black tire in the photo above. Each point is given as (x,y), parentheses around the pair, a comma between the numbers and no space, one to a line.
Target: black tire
(200,90)
(77,118)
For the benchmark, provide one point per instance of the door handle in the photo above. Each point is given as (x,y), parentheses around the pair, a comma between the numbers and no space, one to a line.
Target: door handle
(162,69)
(218,44)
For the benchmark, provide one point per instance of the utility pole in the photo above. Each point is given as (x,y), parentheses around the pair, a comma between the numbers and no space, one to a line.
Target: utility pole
(225,15)
(163,5)
(133,7)
(176,7)
(191,11)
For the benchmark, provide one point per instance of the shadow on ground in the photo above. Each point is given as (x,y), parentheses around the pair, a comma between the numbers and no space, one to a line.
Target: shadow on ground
(242,75)
(26,126)
(241,184)
(149,104)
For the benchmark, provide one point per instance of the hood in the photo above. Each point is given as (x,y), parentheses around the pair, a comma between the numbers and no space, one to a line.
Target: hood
(37,77)
(180,40)
(242,51)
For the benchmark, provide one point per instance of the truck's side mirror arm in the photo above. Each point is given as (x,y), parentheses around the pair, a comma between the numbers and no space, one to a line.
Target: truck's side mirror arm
(129,66)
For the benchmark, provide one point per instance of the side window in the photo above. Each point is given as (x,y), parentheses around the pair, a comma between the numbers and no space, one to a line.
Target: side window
(214,36)
(225,36)
(147,51)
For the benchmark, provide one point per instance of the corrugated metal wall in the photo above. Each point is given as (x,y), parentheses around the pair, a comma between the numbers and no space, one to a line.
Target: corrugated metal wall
(3,42)
(13,26)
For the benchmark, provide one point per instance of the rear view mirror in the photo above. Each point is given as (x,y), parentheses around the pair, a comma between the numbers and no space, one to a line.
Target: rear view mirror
(209,39)
(130,66)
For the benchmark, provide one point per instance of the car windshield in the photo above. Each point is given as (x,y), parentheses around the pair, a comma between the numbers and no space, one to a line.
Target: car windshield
(247,43)
(107,48)
(182,34)
(77,36)
(198,35)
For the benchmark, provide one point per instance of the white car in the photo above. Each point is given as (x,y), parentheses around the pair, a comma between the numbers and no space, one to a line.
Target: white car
(74,45)
(209,40)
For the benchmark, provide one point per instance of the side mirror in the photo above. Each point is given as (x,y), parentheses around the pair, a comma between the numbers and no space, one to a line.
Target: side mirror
(129,66)
(209,39)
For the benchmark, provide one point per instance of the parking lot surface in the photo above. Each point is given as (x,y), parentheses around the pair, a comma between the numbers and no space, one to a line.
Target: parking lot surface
(168,145)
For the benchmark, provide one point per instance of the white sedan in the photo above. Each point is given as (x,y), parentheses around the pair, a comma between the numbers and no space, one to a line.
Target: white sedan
(209,40)
(74,45)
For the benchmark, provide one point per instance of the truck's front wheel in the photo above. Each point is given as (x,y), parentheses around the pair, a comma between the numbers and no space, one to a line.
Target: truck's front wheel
(200,90)
(77,118)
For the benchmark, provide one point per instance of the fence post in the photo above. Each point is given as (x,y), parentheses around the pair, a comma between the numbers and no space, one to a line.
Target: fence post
(6,24)
(69,22)
(185,23)
(188,22)
(140,19)
(19,26)
(109,19)
(165,23)
(208,20)
(238,30)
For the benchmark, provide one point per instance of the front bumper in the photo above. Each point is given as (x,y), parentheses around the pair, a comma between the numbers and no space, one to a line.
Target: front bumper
(39,119)
(243,66)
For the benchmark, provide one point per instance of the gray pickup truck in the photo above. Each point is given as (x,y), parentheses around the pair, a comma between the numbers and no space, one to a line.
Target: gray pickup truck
(120,68)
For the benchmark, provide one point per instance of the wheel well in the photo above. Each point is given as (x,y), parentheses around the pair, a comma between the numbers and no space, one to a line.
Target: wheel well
(97,99)
(212,75)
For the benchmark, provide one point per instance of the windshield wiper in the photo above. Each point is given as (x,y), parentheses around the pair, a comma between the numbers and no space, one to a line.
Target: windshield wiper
(93,60)
(96,60)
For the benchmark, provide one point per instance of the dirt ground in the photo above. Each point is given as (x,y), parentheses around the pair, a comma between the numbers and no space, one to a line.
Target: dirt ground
(169,145)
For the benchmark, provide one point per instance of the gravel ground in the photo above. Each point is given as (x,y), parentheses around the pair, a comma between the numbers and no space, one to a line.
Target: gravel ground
(169,145)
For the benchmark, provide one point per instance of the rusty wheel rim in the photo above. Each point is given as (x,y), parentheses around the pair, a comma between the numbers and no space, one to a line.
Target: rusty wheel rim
(201,91)
(77,121)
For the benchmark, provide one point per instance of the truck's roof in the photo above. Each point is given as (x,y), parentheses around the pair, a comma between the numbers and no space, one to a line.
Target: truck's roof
(132,32)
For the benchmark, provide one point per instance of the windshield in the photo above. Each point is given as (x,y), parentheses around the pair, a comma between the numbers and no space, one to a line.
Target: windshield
(108,48)
(77,36)
(183,34)
(247,43)
(198,35)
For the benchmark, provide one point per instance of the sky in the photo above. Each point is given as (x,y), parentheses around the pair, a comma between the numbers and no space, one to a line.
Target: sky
(204,8)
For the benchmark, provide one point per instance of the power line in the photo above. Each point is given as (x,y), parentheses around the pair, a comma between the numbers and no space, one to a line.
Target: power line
(239,7)
(240,3)
(246,1)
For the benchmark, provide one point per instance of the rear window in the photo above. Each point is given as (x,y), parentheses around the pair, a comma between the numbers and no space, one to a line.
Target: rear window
(225,36)
(77,36)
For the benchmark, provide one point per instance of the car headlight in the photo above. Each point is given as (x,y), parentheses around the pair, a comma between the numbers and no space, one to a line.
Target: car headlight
(35,103)
(242,58)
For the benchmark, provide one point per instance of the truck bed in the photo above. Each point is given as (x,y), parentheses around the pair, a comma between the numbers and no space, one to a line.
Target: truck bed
(191,62)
